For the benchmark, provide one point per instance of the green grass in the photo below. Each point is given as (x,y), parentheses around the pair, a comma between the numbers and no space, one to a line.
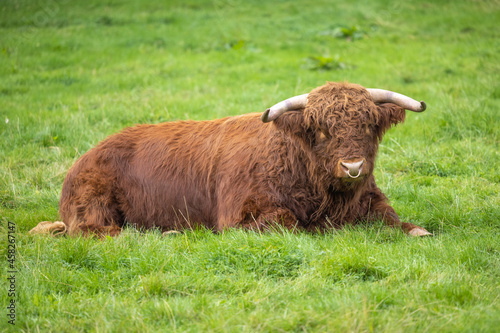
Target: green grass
(74,72)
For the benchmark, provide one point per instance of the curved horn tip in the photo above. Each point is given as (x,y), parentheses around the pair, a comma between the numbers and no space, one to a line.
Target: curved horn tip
(265,116)
(423,106)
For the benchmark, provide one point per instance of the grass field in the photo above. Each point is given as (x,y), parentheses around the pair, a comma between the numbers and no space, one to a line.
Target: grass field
(74,72)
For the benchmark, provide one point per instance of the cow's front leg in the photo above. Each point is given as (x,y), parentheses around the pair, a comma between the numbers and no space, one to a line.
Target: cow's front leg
(379,209)
(278,217)
(263,221)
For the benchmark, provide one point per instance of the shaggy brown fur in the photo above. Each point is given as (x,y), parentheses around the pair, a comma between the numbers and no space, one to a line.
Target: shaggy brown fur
(237,171)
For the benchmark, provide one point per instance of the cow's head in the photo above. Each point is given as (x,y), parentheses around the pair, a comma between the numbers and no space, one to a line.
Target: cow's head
(341,124)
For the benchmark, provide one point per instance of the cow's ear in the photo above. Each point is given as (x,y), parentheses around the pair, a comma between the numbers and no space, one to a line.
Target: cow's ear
(389,114)
(293,124)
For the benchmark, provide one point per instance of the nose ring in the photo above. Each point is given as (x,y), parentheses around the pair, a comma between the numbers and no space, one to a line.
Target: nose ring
(349,173)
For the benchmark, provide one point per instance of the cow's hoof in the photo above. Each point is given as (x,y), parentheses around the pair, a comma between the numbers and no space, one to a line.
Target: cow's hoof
(170,232)
(419,232)
(49,228)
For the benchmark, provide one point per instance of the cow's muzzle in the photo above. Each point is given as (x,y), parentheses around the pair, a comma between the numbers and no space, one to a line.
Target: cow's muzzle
(351,168)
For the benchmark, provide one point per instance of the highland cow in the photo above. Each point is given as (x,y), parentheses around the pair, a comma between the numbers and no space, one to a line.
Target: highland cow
(306,163)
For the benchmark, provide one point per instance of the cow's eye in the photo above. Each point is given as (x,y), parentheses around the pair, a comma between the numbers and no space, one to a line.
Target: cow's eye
(322,136)
(369,129)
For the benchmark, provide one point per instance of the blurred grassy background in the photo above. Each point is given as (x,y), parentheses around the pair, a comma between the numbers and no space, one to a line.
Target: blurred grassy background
(74,72)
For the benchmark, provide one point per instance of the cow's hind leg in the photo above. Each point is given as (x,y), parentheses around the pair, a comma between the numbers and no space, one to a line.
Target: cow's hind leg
(92,229)
(97,217)
(92,208)
(57,228)
(97,222)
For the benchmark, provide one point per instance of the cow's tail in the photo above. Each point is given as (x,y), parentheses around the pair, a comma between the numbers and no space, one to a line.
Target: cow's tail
(57,228)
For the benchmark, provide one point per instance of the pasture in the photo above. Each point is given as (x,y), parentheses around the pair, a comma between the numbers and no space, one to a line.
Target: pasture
(74,72)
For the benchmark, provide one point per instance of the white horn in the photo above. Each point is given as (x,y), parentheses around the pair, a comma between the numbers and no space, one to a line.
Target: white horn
(293,103)
(386,96)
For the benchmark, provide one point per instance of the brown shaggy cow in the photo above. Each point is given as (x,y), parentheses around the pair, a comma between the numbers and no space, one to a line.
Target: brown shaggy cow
(306,164)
